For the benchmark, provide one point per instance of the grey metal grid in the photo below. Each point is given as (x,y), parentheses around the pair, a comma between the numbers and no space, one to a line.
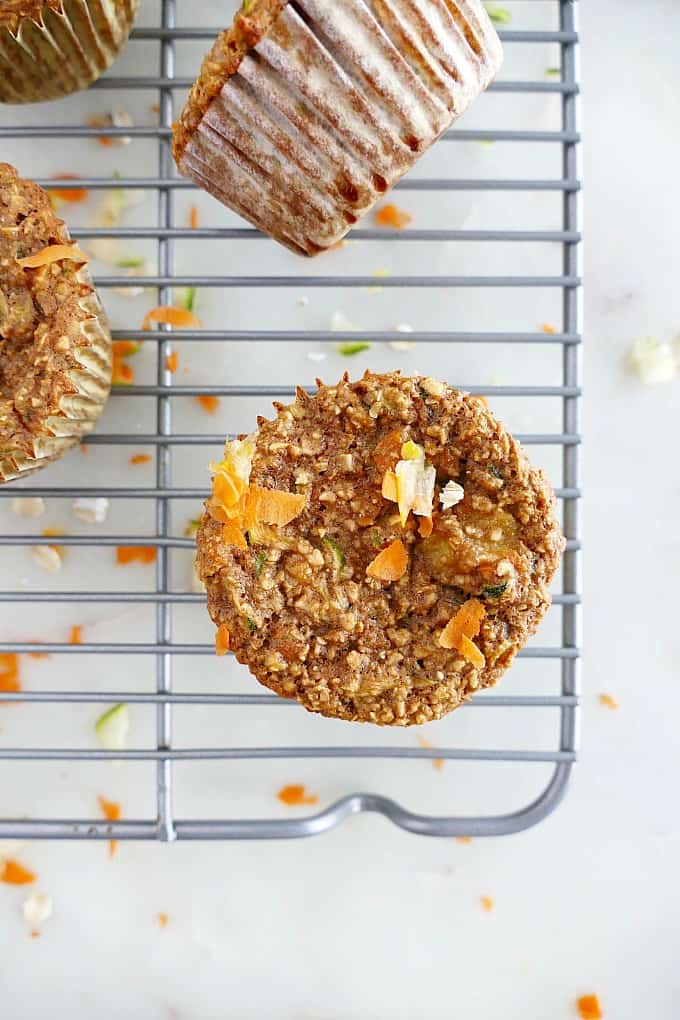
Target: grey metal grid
(165,826)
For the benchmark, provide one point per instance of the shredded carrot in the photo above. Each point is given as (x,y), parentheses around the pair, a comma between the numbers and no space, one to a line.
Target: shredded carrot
(232,534)
(171,315)
(464,839)
(125,348)
(391,215)
(388,451)
(9,673)
(163,919)
(589,1007)
(112,812)
(547,328)
(464,625)
(122,374)
(102,122)
(437,763)
(54,533)
(154,108)
(208,403)
(38,655)
(84,448)
(172,362)
(35,934)
(228,488)
(487,903)
(73,195)
(222,640)
(295,795)
(193,217)
(279,508)
(76,635)
(53,253)
(390,564)
(389,487)
(608,701)
(14,873)
(425,527)
(135,553)
(140,458)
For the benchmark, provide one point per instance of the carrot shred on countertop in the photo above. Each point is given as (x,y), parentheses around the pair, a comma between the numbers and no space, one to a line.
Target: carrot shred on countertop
(102,122)
(163,919)
(487,903)
(9,673)
(608,701)
(13,873)
(35,934)
(122,374)
(295,795)
(38,655)
(193,217)
(209,403)
(84,448)
(112,812)
(72,195)
(172,362)
(135,554)
(54,533)
(437,763)
(390,564)
(547,328)
(125,348)
(391,215)
(171,315)
(589,1007)
(53,253)
(140,458)
(222,640)
(466,840)
(76,637)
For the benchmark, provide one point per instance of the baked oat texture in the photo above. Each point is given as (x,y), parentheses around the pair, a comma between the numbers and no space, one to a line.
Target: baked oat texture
(55,349)
(300,610)
(306,113)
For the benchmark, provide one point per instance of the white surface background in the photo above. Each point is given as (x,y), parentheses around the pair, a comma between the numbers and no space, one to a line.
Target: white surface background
(368,922)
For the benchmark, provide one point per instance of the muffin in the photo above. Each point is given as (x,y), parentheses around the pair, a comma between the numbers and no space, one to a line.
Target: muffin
(305,114)
(49,48)
(379,551)
(55,346)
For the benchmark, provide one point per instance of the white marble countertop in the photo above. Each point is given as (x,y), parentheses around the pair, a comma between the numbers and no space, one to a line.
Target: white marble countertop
(366,922)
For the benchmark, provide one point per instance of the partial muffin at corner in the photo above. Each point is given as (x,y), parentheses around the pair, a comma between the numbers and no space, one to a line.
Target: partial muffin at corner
(306,113)
(55,346)
(50,48)
(379,551)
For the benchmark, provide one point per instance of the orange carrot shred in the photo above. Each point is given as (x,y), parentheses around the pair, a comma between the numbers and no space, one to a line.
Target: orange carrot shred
(84,448)
(171,315)
(437,763)
(464,625)
(471,652)
(466,840)
(390,564)
(135,553)
(391,215)
(112,812)
(193,217)
(172,362)
(275,507)
(547,328)
(38,655)
(232,534)
(425,527)
(389,487)
(589,1007)
(125,348)
(163,919)
(222,640)
(76,635)
(72,195)
(53,253)
(608,701)
(9,672)
(35,934)
(140,458)
(209,403)
(295,795)
(487,903)
(13,873)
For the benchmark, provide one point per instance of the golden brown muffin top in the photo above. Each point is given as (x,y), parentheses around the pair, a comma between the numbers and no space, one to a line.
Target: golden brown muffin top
(42,313)
(347,606)
(250,25)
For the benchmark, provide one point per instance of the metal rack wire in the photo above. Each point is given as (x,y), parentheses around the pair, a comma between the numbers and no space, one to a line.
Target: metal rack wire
(165,825)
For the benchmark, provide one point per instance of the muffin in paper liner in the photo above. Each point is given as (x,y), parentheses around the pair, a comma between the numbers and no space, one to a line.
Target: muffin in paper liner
(49,48)
(305,113)
(55,345)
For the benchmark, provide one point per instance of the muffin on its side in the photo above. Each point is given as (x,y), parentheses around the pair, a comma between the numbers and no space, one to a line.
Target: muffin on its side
(49,48)
(55,346)
(379,551)
(305,114)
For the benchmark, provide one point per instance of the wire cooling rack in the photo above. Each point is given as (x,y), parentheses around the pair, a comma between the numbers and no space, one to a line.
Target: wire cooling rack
(251,354)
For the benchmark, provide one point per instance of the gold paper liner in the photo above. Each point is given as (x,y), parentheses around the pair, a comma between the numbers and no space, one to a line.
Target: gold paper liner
(56,52)
(90,375)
